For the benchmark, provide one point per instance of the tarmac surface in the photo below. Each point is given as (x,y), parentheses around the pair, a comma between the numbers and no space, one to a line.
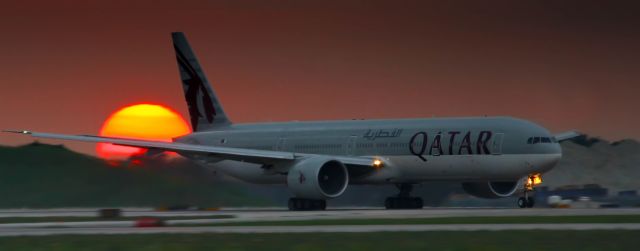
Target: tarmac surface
(254,214)
(279,214)
(315,229)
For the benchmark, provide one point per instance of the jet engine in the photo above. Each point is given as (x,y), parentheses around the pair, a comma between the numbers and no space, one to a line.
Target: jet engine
(318,178)
(490,189)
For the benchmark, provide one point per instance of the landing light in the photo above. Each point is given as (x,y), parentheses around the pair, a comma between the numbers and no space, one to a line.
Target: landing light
(537,179)
(534,180)
(377,163)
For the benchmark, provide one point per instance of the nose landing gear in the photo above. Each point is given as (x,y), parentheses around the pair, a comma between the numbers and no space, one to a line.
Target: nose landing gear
(526,201)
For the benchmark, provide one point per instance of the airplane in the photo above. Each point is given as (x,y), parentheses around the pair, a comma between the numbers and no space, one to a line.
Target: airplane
(492,157)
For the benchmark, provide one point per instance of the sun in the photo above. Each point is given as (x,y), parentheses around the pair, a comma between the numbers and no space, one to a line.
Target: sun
(140,121)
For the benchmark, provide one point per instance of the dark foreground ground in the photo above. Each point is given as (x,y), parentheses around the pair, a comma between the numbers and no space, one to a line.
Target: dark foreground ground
(481,240)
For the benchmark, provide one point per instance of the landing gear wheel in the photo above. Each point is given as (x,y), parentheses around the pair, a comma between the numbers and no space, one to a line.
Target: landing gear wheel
(299,204)
(403,203)
(531,202)
(404,199)
(522,202)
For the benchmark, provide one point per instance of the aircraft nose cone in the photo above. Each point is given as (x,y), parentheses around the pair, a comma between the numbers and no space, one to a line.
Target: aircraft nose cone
(551,159)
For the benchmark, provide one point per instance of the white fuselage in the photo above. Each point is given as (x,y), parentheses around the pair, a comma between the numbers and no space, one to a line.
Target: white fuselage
(414,151)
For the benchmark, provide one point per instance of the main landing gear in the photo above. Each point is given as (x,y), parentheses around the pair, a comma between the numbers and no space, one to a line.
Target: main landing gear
(404,199)
(299,204)
(526,201)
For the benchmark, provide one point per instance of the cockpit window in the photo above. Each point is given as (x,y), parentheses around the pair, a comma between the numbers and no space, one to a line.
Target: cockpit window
(536,140)
(530,140)
(546,140)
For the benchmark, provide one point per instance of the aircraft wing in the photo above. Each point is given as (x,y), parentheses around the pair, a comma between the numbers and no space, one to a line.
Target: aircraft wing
(232,153)
(566,135)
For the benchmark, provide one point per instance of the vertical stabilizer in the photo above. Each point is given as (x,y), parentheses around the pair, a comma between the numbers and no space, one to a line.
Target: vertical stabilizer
(205,110)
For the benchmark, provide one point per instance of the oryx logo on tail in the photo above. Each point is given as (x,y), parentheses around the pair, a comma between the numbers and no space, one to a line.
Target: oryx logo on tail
(195,88)
(205,111)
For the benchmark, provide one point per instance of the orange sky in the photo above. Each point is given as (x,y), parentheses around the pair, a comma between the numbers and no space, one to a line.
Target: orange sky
(568,65)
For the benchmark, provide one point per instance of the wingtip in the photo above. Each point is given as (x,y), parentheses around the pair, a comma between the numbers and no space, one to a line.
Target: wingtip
(17,131)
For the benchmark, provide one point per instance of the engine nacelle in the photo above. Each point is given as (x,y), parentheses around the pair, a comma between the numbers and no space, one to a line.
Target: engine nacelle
(491,189)
(318,178)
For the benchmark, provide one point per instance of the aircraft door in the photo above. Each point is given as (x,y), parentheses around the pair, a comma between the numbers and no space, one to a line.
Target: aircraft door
(351,145)
(496,145)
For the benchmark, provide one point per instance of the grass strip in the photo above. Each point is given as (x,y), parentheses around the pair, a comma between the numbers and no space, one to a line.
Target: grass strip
(480,240)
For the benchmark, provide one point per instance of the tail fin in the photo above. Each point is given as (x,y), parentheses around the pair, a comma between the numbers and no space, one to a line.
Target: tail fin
(204,107)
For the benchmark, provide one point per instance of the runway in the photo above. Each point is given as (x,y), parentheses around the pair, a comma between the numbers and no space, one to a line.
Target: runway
(269,214)
(278,214)
(315,229)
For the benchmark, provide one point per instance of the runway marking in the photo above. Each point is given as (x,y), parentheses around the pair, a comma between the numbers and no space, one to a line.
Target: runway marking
(316,229)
